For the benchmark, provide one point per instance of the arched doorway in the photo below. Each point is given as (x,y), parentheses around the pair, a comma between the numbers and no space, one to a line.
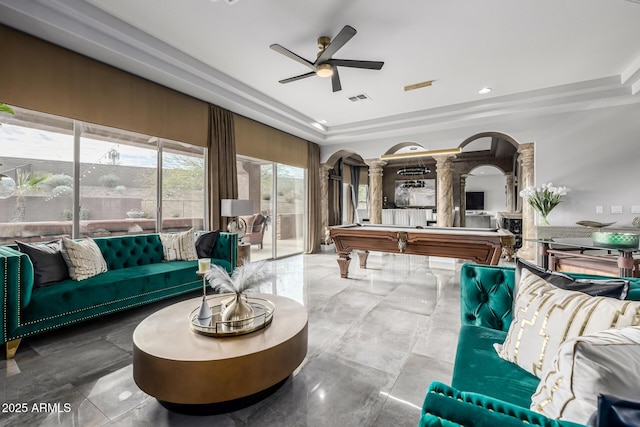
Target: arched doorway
(485,196)
(344,190)
(515,160)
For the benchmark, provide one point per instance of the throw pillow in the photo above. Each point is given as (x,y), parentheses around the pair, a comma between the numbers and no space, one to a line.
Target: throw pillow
(605,362)
(83,258)
(48,264)
(616,412)
(178,246)
(205,244)
(545,316)
(614,288)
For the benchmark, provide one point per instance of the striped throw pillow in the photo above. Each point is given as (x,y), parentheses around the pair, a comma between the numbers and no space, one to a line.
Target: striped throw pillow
(83,258)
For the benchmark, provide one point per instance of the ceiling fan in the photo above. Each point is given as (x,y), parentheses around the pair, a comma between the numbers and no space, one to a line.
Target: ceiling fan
(325,65)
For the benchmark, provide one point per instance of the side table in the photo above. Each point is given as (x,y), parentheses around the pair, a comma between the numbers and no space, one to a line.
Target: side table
(244,253)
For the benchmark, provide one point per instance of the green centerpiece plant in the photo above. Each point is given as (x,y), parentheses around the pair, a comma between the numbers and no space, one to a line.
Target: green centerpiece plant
(543,199)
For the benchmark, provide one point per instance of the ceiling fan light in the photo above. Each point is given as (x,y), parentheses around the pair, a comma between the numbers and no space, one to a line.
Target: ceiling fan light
(324,70)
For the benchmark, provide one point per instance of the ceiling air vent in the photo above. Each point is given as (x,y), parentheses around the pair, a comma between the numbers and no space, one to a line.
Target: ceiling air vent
(359,98)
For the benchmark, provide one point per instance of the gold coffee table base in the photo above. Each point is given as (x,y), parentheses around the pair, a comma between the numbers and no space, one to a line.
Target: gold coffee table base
(179,367)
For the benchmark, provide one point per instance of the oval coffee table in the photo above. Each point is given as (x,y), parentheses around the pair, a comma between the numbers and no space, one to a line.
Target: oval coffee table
(193,373)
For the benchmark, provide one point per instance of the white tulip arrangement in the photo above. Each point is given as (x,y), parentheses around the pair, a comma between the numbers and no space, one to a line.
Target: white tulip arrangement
(544,198)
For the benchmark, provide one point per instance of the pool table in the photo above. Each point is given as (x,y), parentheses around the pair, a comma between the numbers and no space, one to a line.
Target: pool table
(479,245)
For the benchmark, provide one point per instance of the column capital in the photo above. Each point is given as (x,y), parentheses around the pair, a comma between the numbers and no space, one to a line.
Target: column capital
(444,161)
(526,152)
(325,168)
(375,166)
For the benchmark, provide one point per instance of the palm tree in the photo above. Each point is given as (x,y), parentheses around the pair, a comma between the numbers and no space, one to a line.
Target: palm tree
(4,108)
(25,184)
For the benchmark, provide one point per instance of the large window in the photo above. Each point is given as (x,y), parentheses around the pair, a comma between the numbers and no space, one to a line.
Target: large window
(118,182)
(183,186)
(37,153)
(114,188)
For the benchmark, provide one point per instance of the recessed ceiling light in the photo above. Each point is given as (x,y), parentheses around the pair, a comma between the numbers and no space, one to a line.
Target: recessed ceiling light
(484,90)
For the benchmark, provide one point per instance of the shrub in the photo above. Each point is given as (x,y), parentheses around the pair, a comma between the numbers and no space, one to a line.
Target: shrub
(109,180)
(120,189)
(62,190)
(67,214)
(57,180)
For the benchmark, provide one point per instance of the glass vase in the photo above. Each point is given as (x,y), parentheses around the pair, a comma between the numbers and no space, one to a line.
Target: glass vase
(542,220)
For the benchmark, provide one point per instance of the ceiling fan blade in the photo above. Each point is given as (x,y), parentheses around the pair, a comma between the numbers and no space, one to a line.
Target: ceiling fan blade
(335,81)
(300,77)
(369,65)
(338,41)
(286,52)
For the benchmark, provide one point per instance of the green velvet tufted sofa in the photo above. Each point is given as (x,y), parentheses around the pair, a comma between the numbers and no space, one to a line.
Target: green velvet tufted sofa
(487,390)
(136,275)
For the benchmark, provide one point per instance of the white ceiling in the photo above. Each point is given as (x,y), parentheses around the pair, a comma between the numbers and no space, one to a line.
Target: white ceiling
(535,54)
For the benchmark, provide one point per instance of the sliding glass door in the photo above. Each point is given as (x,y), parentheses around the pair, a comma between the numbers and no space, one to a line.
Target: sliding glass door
(290,203)
(279,193)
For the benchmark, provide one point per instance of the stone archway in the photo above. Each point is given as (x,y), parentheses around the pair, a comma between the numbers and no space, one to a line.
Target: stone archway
(520,175)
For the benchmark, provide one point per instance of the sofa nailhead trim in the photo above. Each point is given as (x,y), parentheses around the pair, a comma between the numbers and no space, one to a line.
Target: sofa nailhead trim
(4,302)
(100,314)
(20,288)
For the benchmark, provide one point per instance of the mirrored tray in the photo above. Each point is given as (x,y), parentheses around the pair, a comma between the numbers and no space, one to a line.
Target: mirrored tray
(263,310)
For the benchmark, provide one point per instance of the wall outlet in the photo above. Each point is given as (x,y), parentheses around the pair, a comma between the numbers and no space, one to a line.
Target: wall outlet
(616,209)
(635,209)
(599,209)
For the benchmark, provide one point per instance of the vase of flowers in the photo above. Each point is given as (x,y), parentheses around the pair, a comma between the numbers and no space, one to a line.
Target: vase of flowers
(238,314)
(543,199)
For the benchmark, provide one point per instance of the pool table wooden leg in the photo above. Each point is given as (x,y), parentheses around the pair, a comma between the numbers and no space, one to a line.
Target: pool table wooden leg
(362,256)
(343,263)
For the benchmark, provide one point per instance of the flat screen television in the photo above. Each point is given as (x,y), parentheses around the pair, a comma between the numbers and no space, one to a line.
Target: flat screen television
(475,200)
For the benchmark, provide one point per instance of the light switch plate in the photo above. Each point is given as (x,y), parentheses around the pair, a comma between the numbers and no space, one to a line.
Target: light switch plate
(635,209)
(616,209)
(599,209)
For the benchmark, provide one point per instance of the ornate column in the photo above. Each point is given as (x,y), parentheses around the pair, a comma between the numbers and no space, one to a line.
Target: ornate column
(526,179)
(463,200)
(375,190)
(324,202)
(444,175)
(509,191)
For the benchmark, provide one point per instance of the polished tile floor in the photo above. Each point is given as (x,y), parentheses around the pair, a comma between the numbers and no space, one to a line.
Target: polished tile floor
(376,341)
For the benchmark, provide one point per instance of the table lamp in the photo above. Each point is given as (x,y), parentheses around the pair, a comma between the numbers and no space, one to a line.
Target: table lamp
(234,208)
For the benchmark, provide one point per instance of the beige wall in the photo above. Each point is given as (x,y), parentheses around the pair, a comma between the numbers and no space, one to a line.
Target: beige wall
(259,141)
(44,77)
(41,76)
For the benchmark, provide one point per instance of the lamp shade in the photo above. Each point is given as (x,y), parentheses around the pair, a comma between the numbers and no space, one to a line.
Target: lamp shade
(235,207)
